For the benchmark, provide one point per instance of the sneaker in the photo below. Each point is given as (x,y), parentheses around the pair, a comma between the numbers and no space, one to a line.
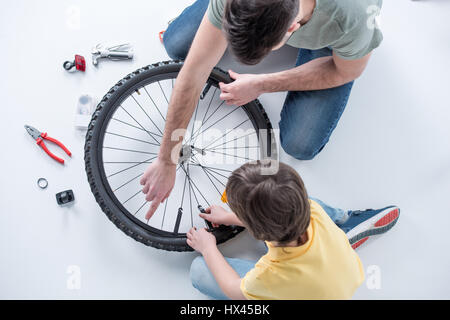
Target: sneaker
(361,225)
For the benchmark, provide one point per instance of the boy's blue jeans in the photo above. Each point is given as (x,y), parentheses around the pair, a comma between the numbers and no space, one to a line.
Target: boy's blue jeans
(308,117)
(203,280)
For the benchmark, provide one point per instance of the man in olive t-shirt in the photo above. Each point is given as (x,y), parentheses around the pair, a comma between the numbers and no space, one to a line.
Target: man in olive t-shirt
(335,40)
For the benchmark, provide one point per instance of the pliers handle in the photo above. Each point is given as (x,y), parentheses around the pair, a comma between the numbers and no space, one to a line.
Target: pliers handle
(40,142)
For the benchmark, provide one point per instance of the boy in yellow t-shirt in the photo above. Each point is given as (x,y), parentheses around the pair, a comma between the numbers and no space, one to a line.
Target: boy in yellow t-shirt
(309,256)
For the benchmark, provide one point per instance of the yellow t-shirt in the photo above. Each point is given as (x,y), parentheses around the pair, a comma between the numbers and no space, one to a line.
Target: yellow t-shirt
(325,267)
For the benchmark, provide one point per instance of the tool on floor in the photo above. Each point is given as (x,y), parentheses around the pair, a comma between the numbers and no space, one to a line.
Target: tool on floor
(40,137)
(119,52)
(65,197)
(79,63)
(42,183)
(202,210)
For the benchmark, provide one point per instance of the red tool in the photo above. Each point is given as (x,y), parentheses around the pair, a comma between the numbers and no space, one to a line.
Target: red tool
(40,137)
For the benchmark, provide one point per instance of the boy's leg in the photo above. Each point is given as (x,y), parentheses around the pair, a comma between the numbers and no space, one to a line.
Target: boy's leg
(359,225)
(181,31)
(309,117)
(203,280)
(337,215)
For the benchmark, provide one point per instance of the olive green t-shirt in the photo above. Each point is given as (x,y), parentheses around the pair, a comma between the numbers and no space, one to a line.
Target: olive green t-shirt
(348,27)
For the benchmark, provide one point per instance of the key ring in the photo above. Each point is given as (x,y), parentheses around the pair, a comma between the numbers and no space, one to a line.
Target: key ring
(42,183)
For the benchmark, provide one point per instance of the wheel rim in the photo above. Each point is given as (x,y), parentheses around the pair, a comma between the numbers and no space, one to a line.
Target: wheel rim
(129,141)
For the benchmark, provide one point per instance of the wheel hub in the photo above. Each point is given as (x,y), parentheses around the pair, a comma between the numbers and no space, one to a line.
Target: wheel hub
(187,152)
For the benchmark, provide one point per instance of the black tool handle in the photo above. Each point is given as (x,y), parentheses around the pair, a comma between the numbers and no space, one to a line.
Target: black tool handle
(209,224)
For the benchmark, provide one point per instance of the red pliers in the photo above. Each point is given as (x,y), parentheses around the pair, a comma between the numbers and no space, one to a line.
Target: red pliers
(40,137)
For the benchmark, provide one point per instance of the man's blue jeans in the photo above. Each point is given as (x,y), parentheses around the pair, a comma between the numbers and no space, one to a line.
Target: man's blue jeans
(203,280)
(308,118)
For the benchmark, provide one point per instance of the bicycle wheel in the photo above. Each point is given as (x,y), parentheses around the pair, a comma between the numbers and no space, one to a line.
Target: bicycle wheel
(124,137)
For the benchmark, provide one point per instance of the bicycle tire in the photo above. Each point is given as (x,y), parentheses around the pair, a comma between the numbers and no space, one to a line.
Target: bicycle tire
(93,156)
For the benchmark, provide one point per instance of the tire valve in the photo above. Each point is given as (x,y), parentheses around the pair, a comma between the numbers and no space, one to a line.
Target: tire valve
(205,91)
(177,223)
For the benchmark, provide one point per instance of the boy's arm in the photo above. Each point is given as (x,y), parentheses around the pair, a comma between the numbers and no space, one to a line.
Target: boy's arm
(205,243)
(229,281)
(218,215)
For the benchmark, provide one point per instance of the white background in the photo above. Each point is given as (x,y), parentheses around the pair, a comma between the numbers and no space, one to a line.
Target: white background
(390,147)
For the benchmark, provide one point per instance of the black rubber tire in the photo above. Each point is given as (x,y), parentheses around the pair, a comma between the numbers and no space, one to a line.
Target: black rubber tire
(93,156)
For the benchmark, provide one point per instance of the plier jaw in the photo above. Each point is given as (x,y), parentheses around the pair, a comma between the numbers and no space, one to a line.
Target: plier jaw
(36,134)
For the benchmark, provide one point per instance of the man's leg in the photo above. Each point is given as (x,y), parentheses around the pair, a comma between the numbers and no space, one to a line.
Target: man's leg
(360,225)
(181,31)
(309,117)
(203,280)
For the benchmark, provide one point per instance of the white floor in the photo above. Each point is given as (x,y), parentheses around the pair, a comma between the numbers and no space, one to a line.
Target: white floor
(390,147)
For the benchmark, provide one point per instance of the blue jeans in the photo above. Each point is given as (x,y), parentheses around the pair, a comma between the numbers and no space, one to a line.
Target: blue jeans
(308,118)
(203,280)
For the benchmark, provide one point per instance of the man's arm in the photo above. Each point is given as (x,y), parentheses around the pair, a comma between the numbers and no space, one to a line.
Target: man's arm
(207,48)
(318,74)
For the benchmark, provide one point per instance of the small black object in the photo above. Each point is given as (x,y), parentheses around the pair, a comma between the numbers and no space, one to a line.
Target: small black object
(202,210)
(68,65)
(65,197)
(42,183)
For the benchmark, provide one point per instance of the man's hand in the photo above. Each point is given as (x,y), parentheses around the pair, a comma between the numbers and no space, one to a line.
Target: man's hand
(218,215)
(245,88)
(201,240)
(158,181)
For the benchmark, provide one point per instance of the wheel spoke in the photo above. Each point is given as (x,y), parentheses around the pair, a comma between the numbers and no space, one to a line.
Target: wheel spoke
(133,126)
(246,135)
(215,187)
(128,182)
(146,113)
(217,121)
(140,208)
(209,117)
(133,166)
(211,173)
(204,116)
(232,155)
(220,169)
(127,137)
(193,183)
(139,124)
(134,195)
(145,89)
(129,150)
(231,130)
(164,94)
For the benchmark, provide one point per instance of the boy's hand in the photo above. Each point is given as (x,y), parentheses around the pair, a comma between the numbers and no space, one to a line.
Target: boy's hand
(201,240)
(217,216)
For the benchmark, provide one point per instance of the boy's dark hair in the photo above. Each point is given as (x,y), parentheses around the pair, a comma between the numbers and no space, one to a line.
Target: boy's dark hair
(254,27)
(273,207)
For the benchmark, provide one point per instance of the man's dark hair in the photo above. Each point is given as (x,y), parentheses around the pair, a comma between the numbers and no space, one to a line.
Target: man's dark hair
(273,207)
(254,27)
